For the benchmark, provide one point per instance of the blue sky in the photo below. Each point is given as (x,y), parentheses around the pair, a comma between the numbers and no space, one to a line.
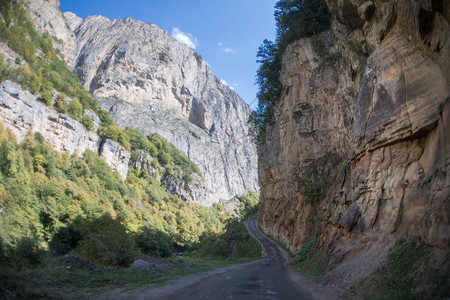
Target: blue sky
(227,33)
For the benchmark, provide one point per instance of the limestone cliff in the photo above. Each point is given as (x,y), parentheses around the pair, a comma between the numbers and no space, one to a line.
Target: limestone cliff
(22,113)
(164,87)
(359,154)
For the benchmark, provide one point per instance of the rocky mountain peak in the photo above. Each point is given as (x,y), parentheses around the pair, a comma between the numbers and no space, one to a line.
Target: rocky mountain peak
(148,80)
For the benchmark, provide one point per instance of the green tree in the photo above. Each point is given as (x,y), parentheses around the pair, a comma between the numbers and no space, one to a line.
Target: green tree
(300,18)
(61,103)
(75,107)
(294,19)
(267,78)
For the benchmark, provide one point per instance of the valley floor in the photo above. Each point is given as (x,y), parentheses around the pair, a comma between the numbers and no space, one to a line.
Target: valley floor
(266,278)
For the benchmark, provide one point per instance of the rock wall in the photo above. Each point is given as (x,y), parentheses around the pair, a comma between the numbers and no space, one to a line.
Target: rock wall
(164,87)
(22,113)
(48,17)
(359,154)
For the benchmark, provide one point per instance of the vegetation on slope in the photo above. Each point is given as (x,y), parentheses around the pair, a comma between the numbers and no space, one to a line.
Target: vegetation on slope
(78,203)
(248,205)
(235,242)
(44,70)
(408,273)
(54,204)
(294,19)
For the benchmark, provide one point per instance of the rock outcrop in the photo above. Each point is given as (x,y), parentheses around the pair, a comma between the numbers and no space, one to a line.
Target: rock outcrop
(359,154)
(162,86)
(22,113)
(48,17)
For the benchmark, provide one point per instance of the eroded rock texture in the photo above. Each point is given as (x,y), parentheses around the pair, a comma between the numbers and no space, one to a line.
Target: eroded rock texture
(163,87)
(22,113)
(359,152)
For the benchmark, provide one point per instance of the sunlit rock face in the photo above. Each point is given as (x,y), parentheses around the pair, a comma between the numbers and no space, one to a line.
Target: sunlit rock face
(369,130)
(22,113)
(161,86)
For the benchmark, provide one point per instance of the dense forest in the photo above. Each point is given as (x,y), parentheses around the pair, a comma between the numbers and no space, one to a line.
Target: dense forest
(54,203)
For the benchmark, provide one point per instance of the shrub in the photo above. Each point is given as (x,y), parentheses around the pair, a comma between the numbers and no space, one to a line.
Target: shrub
(303,253)
(65,240)
(26,252)
(235,242)
(3,68)
(107,242)
(75,108)
(249,204)
(403,259)
(61,103)
(154,242)
(87,122)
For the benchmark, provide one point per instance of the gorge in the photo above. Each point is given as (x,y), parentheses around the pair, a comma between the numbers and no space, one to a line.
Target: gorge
(121,151)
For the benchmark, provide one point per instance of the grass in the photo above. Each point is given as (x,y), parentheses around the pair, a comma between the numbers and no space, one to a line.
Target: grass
(410,272)
(309,260)
(315,264)
(57,279)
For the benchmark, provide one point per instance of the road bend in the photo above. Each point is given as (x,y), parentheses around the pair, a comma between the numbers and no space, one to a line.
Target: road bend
(266,278)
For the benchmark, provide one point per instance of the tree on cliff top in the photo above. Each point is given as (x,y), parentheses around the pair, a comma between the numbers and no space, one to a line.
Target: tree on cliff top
(300,18)
(294,19)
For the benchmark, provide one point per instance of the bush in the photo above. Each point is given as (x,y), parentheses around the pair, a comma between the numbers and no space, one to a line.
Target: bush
(403,259)
(65,240)
(249,204)
(61,103)
(155,243)
(235,242)
(26,253)
(164,158)
(87,122)
(303,253)
(75,108)
(107,242)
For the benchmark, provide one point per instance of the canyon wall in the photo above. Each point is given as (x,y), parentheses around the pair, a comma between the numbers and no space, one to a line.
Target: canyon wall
(359,152)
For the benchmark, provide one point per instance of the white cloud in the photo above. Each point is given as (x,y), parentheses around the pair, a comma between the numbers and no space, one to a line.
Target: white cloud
(225,49)
(228,50)
(185,38)
(224,82)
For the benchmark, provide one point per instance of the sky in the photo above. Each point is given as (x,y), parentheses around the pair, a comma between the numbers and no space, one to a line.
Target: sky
(227,33)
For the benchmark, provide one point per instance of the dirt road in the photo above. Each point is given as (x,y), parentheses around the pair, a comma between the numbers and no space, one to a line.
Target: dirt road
(266,278)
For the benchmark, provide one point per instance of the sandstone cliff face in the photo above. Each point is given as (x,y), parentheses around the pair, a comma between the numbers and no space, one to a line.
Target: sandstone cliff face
(22,113)
(163,87)
(369,132)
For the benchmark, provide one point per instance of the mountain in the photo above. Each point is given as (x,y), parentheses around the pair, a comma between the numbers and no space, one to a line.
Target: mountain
(359,151)
(147,80)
